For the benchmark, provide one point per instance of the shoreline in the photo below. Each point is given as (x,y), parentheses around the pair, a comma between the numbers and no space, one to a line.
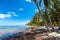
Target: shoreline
(39,26)
(17,33)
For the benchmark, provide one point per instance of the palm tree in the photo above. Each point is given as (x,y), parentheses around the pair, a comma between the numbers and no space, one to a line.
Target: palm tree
(46,3)
(57,7)
(40,13)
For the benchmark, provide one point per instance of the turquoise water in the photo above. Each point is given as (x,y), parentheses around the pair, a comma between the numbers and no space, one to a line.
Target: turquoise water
(11,28)
(8,29)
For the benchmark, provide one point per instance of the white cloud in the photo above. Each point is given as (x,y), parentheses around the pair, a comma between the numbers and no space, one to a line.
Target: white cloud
(8,15)
(21,9)
(12,13)
(28,0)
(5,15)
(36,10)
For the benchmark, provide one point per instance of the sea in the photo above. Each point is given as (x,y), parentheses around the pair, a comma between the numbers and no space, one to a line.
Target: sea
(9,31)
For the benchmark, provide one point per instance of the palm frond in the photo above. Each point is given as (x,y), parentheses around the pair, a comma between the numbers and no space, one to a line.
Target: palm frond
(55,1)
(36,2)
(46,2)
(40,3)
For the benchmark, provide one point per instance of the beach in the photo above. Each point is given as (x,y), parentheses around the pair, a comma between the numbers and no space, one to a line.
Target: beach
(26,34)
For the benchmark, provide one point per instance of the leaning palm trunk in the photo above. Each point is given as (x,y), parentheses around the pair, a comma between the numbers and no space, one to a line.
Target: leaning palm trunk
(46,12)
(46,3)
(45,23)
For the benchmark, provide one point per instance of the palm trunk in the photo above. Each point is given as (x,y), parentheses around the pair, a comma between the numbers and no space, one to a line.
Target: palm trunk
(58,22)
(45,23)
(46,12)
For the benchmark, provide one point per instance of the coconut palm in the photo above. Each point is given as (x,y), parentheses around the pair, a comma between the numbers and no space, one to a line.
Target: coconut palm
(47,3)
(40,13)
(57,9)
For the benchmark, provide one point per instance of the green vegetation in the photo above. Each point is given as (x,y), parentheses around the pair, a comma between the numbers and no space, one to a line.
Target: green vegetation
(36,21)
(50,16)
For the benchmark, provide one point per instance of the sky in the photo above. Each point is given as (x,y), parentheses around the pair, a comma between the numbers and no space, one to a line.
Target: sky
(16,12)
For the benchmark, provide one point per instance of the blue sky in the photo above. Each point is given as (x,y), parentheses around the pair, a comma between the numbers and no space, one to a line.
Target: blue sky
(16,12)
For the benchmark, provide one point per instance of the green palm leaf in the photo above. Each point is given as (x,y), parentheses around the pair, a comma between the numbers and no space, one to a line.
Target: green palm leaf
(55,1)
(40,3)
